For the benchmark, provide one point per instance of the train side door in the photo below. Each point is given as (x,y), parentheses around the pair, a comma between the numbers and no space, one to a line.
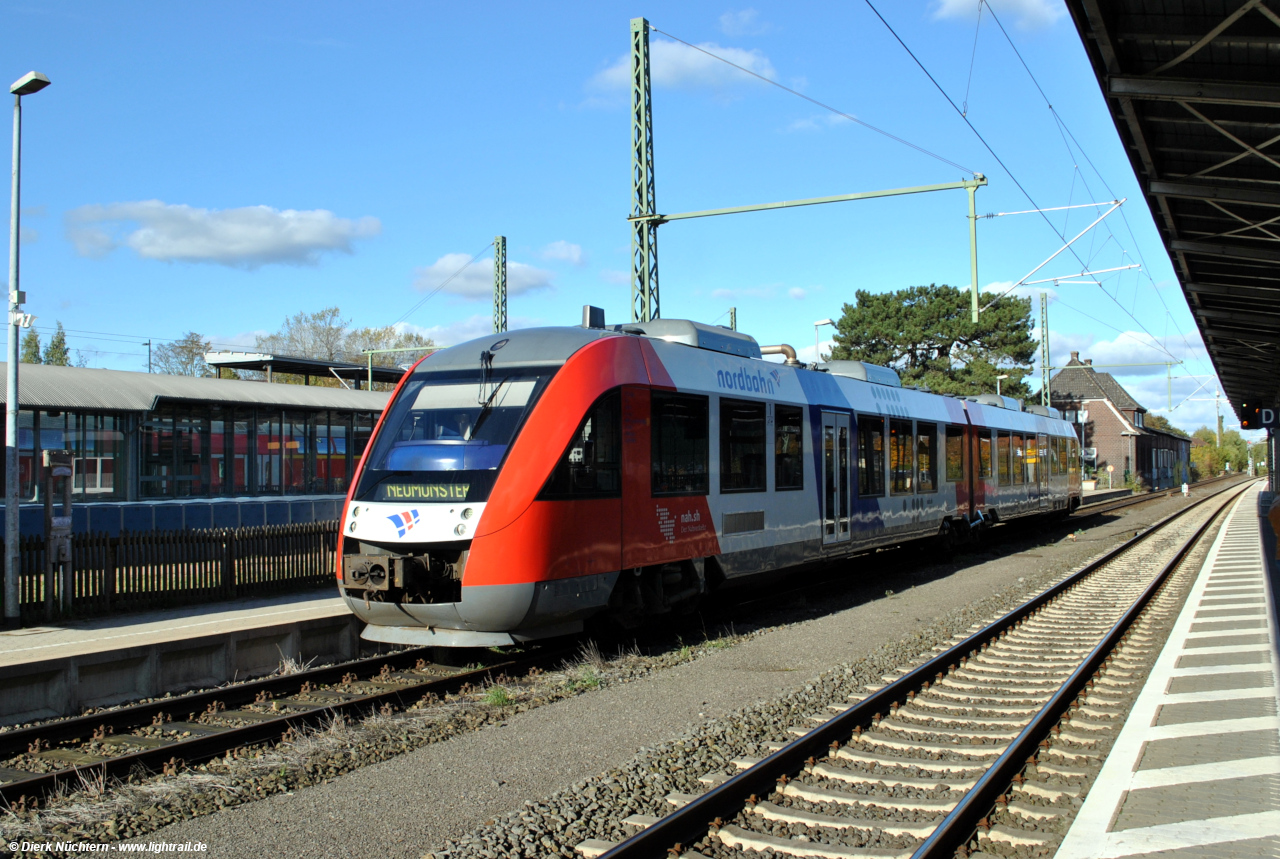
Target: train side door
(835,478)
(1042,470)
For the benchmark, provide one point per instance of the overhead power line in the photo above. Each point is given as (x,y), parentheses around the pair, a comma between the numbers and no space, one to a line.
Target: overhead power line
(990,149)
(443,284)
(822,105)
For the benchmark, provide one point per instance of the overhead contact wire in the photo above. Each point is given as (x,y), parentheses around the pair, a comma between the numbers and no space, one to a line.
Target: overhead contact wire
(1005,167)
(822,105)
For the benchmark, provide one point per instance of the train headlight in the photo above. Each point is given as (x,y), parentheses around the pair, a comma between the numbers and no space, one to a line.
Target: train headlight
(460,530)
(468,513)
(352,528)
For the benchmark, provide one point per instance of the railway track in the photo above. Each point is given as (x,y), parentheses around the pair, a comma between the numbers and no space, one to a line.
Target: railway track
(1108,506)
(976,746)
(163,735)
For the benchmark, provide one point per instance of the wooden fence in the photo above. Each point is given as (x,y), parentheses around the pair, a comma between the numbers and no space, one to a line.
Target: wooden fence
(154,569)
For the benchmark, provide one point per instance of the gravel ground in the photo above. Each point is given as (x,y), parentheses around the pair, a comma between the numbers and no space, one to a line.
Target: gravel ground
(493,761)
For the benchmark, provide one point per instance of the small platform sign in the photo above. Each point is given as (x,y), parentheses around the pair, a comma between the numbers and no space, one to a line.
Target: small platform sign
(1263,417)
(59,461)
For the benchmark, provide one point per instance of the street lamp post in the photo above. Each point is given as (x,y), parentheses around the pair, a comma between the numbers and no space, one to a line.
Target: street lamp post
(817,344)
(998,378)
(31,82)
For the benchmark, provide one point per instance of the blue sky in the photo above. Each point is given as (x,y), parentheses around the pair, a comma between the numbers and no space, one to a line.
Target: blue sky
(220,167)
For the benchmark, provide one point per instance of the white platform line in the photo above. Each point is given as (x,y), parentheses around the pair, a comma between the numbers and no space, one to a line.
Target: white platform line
(1220,726)
(1228,648)
(1225,670)
(1217,771)
(1218,695)
(1188,833)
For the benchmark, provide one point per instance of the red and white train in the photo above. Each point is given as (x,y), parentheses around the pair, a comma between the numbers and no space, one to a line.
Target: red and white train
(520,483)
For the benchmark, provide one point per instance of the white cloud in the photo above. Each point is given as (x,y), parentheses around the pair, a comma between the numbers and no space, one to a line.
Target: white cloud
(681,67)
(28,235)
(817,122)
(471,328)
(796,292)
(564,252)
(247,237)
(1128,348)
(617,278)
(476,280)
(744,23)
(1028,14)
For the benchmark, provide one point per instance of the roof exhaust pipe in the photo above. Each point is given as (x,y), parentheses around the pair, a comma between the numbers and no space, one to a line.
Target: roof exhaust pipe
(782,349)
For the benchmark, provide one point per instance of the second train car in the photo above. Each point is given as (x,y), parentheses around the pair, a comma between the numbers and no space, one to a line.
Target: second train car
(518,484)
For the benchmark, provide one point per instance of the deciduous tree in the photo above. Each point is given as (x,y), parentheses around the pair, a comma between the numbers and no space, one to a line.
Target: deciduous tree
(183,357)
(57,353)
(31,348)
(925,333)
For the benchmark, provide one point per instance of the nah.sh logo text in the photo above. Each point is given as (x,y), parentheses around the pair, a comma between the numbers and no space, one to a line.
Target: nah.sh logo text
(404,522)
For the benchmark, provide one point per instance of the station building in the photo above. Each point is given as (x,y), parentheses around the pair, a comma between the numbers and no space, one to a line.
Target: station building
(1115,429)
(154,451)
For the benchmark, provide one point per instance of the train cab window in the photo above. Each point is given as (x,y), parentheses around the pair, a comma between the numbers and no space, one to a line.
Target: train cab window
(1019,467)
(742,446)
(1055,456)
(926,457)
(788,447)
(901,458)
(592,465)
(1003,458)
(679,448)
(955,453)
(984,454)
(870,457)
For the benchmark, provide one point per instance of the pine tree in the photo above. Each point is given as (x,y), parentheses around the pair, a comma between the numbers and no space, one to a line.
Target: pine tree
(31,348)
(925,333)
(57,353)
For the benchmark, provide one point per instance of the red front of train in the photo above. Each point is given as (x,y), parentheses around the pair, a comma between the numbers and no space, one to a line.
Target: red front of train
(507,488)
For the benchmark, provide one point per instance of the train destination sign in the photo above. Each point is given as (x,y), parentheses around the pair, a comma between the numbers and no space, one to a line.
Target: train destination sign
(423,491)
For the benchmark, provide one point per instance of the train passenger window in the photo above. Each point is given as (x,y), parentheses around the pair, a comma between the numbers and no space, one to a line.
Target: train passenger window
(788,447)
(926,457)
(955,453)
(592,465)
(742,446)
(984,454)
(1019,468)
(679,448)
(1003,458)
(901,458)
(1055,456)
(870,457)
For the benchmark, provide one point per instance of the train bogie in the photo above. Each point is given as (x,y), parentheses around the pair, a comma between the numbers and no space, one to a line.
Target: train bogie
(520,484)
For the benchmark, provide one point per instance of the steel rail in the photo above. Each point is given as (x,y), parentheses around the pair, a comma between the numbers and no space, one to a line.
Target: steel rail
(691,822)
(958,826)
(208,746)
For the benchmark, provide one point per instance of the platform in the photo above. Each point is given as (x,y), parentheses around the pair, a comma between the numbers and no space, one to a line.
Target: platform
(60,669)
(1195,771)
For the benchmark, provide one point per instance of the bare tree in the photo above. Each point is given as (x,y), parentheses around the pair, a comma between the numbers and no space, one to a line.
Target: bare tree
(183,357)
(309,335)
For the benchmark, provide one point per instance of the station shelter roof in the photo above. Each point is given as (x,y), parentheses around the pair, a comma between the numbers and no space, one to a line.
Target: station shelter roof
(42,386)
(1194,91)
(296,366)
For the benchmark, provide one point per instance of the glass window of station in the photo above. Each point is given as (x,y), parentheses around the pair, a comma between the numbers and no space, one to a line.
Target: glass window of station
(181,450)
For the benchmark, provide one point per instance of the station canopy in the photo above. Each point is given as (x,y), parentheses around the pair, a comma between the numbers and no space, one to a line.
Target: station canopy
(1194,90)
(305,367)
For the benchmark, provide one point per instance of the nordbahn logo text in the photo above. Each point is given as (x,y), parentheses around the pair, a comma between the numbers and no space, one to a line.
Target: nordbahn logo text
(755,382)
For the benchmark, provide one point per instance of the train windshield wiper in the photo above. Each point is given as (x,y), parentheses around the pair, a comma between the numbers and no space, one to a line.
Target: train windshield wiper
(485,409)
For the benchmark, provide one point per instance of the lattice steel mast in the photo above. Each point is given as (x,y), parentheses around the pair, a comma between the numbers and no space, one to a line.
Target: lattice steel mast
(1044,350)
(644,233)
(499,284)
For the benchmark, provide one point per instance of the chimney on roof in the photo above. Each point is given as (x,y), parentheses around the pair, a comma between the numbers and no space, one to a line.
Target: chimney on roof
(1088,362)
(1075,357)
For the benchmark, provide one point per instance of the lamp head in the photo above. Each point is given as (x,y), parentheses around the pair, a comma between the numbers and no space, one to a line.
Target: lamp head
(824,322)
(29,83)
